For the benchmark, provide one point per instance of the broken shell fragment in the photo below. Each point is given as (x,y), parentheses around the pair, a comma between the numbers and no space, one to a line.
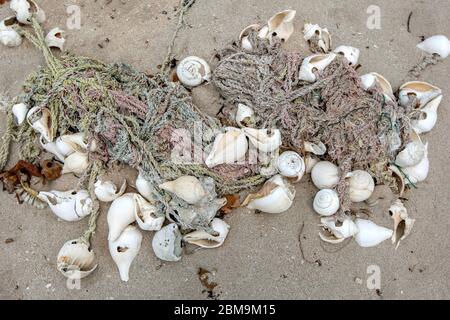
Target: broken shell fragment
(40,120)
(403,224)
(276,196)
(188,188)
(310,162)
(55,38)
(228,148)
(399,179)
(313,64)
(8,36)
(373,79)
(419,172)
(281,25)
(325,175)
(70,143)
(265,140)
(320,36)
(326,202)
(243,36)
(106,191)
(370,234)
(144,187)
(76,163)
(291,165)
(51,148)
(121,213)
(69,205)
(206,240)
(318,149)
(145,214)
(350,53)
(361,185)
(166,243)
(436,45)
(124,249)
(27,9)
(336,233)
(76,259)
(429,116)
(245,116)
(193,71)
(422,91)
(413,152)
(20,111)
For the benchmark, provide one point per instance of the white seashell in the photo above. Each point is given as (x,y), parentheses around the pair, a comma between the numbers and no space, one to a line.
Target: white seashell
(26,9)
(193,71)
(281,25)
(55,38)
(430,116)
(314,63)
(245,116)
(70,143)
(350,53)
(144,187)
(265,140)
(124,249)
(399,177)
(69,205)
(276,196)
(337,234)
(145,214)
(326,202)
(8,36)
(166,243)
(228,148)
(310,162)
(413,152)
(121,213)
(206,240)
(325,175)
(318,149)
(76,259)
(264,32)
(188,188)
(419,172)
(436,45)
(291,165)
(243,36)
(361,185)
(403,224)
(423,91)
(370,234)
(40,120)
(20,111)
(52,148)
(107,191)
(315,31)
(371,79)
(76,163)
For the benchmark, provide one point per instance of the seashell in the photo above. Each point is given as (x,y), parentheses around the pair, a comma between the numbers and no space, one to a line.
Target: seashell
(8,36)
(430,116)
(291,165)
(413,152)
(70,143)
(423,91)
(281,25)
(403,224)
(314,63)
(76,163)
(107,191)
(372,79)
(264,32)
(245,116)
(166,243)
(144,187)
(41,121)
(336,234)
(310,162)
(193,71)
(20,111)
(361,185)
(206,240)
(243,36)
(121,213)
(76,259)
(188,188)
(325,175)
(229,147)
(276,196)
(55,38)
(370,234)
(419,172)
(321,35)
(52,148)
(326,202)
(26,9)
(124,249)
(145,214)
(350,53)
(399,177)
(318,149)
(436,45)
(265,140)
(69,205)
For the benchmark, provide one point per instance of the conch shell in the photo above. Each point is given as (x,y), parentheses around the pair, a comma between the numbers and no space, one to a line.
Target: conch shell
(403,224)
(229,147)
(413,152)
(40,120)
(188,188)
(206,240)
(370,234)
(374,79)
(350,53)
(313,32)
(422,91)
(336,233)
(439,45)
(26,9)
(76,259)
(69,205)
(106,191)
(265,140)
(313,64)
(281,25)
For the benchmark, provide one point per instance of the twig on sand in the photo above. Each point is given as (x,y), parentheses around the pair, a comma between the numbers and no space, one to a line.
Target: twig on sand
(408,24)
(317,262)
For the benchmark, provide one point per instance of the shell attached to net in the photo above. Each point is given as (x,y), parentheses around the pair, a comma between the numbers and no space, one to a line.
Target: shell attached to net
(193,71)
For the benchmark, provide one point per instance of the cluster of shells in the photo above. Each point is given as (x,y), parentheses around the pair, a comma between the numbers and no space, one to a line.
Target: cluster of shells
(194,198)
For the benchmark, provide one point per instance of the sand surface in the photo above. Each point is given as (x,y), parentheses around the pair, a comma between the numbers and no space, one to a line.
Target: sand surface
(261,257)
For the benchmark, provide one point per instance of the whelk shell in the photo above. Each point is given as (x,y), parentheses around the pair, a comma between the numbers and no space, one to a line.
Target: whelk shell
(76,259)
(206,240)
